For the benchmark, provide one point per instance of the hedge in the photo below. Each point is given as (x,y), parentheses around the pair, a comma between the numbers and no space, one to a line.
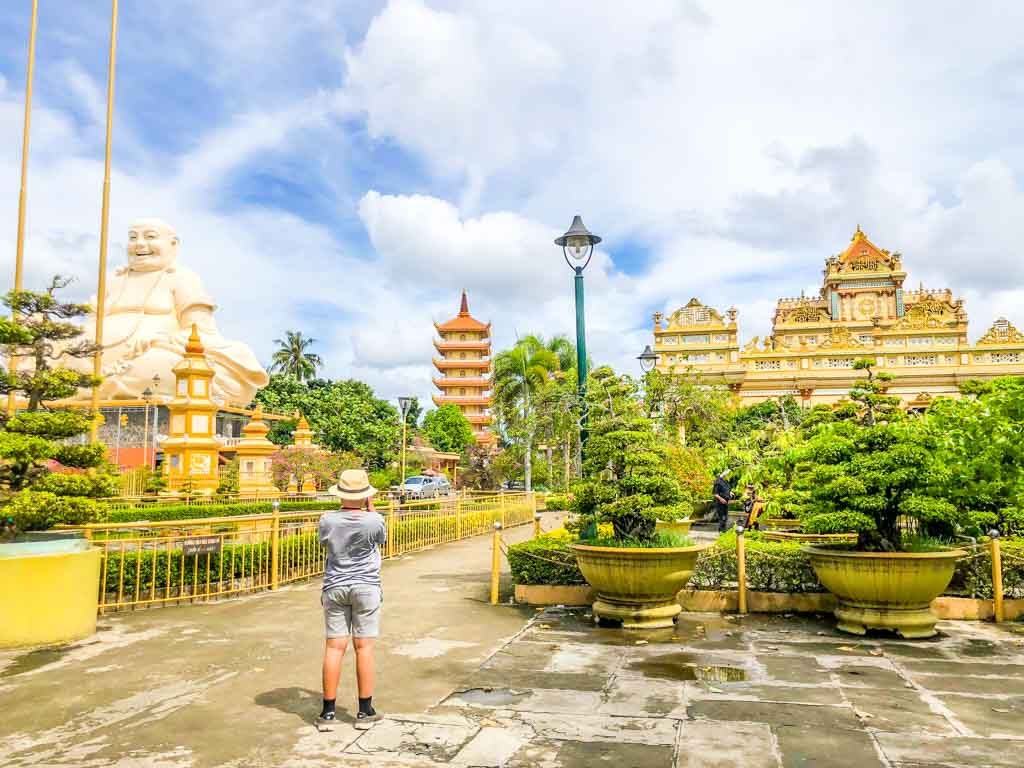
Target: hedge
(160,512)
(545,560)
(238,559)
(556,501)
(973,574)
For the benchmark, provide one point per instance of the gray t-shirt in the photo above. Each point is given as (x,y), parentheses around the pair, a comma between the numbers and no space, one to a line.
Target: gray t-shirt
(353,539)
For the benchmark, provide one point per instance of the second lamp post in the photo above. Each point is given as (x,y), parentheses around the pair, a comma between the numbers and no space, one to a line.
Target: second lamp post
(578,247)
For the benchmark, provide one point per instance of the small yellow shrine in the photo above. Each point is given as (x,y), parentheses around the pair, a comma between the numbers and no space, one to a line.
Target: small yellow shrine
(302,437)
(465,365)
(862,311)
(253,453)
(191,449)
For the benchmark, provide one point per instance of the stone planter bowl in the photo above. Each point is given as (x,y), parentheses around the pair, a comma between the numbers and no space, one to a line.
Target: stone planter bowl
(884,590)
(637,586)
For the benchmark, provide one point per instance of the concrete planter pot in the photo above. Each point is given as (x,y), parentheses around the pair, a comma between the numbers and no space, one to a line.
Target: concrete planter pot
(50,592)
(884,590)
(678,527)
(637,586)
(820,539)
(779,523)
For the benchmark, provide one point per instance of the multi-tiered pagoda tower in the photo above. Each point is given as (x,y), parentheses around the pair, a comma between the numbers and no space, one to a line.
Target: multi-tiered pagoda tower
(465,367)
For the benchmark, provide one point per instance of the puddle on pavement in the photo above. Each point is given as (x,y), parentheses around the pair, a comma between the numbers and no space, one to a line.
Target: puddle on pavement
(32,660)
(491,697)
(684,667)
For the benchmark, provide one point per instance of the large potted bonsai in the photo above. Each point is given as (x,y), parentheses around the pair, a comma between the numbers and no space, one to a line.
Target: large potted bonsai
(48,586)
(877,475)
(637,571)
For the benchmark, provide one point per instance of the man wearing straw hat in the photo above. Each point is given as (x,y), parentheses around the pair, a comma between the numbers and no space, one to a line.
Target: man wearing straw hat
(352,595)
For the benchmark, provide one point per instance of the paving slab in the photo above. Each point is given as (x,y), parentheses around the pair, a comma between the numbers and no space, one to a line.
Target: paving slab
(587,754)
(711,744)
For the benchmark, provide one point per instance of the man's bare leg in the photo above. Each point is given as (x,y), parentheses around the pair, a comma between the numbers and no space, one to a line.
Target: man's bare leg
(366,675)
(334,652)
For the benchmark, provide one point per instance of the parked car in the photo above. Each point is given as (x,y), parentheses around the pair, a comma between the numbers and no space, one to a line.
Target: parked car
(513,485)
(417,487)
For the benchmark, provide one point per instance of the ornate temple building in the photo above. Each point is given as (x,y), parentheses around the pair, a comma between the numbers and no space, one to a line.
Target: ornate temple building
(464,347)
(862,311)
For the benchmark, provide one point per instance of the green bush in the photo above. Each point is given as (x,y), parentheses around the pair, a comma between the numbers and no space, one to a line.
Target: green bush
(973,574)
(544,560)
(556,501)
(234,561)
(838,522)
(160,512)
(40,510)
(92,484)
(771,566)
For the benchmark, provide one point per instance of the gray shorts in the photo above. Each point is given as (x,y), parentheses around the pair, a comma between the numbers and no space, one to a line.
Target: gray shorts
(352,610)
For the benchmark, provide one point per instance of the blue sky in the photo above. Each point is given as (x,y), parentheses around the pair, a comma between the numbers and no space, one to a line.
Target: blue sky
(345,168)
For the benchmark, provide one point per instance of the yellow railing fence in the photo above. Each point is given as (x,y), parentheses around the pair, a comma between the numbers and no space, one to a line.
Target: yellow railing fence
(147,564)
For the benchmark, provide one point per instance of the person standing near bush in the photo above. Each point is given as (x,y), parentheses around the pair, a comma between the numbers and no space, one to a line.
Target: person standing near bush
(752,506)
(722,493)
(352,595)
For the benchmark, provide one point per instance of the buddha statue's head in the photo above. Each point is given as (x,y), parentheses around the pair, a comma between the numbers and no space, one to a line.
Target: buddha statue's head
(152,245)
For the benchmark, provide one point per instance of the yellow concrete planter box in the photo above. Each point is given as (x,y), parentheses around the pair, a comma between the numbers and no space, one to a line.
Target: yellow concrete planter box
(637,586)
(779,523)
(884,590)
(49,592)
(678,527)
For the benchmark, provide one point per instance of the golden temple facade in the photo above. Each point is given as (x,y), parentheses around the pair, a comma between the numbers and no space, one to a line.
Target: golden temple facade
(464,365)
(862,311)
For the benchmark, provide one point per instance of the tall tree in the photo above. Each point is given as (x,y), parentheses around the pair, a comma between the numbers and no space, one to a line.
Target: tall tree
(448,429)
(292,359)
(520,373)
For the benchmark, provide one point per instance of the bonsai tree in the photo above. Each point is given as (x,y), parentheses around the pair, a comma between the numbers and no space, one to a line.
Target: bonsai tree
(875,405)
(867,479)
(44,478)
(628,479)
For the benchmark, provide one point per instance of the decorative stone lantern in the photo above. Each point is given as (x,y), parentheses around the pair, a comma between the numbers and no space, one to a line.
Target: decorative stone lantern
(253,452)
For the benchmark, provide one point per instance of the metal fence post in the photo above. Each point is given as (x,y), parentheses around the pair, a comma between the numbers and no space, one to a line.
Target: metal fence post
(458,518)
(275,546)
(501,503)
(495,562)
(997,577)
(536,525)
(391,528)
(741,570)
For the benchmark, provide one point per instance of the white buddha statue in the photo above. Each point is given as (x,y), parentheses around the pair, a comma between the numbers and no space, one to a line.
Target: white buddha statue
(150,308)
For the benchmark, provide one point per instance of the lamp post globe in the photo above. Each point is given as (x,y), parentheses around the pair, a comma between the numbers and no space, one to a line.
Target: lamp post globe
(648,359)
(577,246)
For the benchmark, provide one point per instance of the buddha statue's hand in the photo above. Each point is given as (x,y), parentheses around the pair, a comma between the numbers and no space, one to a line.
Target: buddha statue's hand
(140,347)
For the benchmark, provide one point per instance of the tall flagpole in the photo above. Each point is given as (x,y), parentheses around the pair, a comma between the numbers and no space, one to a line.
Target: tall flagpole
(19,257)
(101,289)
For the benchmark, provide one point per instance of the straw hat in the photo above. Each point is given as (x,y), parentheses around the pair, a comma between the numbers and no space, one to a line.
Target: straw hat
(354,485)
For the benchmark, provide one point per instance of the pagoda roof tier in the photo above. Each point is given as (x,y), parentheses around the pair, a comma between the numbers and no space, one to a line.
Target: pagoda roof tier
(479,418)
(440,400)
(443,365)
(445,383)
(462,346)
(463,321)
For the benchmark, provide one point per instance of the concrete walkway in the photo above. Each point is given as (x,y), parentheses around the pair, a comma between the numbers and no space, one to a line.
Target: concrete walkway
(467,684)
(236,683)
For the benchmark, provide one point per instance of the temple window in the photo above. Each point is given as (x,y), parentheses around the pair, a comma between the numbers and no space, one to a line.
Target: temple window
(704,358)
(462,337)
(921,341)
(723,338)
(703,339)
(767,365)
(865,338)
(920,360)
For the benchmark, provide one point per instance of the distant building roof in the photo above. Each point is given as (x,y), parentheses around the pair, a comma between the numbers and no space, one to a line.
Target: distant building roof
(463,321)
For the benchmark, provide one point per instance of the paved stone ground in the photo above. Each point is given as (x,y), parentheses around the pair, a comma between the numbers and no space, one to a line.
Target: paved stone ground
(466,684)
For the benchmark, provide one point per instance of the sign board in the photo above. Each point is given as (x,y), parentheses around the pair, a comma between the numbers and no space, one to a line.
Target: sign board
(201,545)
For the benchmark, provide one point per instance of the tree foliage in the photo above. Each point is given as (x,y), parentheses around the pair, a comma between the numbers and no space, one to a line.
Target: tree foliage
(447,429)
(344,416)
(292,359)
(627,480)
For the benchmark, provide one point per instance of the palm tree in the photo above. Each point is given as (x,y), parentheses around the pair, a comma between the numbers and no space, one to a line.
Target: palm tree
(519,373)
(292,359)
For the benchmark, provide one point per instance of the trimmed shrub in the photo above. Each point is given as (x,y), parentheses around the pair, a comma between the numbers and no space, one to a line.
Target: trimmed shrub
(157,513)
(545,560)
(771,566)
(973,574)
(40,510)
(556,501)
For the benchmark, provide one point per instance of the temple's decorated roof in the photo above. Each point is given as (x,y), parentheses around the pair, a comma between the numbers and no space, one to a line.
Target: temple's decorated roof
(463,321)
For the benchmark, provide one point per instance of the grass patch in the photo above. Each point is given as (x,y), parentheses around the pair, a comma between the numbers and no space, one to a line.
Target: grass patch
(917,543)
